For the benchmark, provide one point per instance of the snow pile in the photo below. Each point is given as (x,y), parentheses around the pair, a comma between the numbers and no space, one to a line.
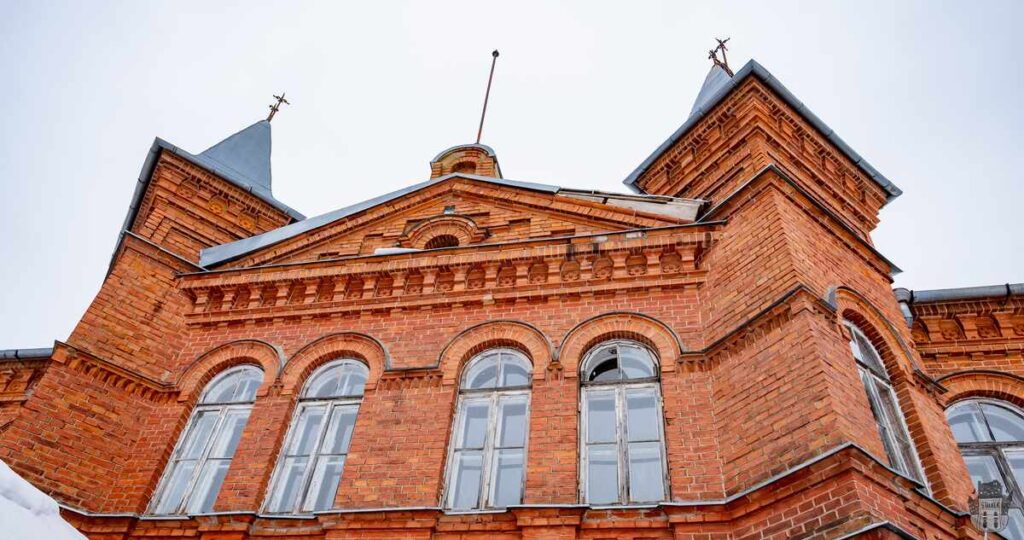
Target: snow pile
(29,514)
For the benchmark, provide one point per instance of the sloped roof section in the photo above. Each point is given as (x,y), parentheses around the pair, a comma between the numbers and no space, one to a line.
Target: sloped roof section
(718,85)
(685,209)
(247,153)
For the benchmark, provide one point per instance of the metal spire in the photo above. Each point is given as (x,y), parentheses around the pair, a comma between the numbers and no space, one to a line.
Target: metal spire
(487,95)
(273,108)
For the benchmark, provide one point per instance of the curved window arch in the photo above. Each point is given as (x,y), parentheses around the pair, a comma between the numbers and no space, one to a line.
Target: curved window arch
(488,448)
(203,454)
(990,434)
(313,456)
(892,427)
(622,441)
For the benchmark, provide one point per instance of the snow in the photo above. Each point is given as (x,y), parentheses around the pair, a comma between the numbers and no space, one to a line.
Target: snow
(29,514)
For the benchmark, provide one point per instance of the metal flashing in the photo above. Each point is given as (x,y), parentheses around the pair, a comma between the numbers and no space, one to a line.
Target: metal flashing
(714,92)
(26,354)
(961,293)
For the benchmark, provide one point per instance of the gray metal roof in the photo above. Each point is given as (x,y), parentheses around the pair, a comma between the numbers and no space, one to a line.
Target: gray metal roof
(716,88)
(962,293)
(247,153)
(220,254)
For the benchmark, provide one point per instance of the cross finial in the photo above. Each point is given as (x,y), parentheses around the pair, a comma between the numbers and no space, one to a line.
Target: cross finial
(713,55)
(274,108)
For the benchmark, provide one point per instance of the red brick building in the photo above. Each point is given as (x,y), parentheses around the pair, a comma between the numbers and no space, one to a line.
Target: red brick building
(720,355)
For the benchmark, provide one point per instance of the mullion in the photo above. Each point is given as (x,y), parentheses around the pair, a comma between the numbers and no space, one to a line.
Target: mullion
(623,442)
(488,448)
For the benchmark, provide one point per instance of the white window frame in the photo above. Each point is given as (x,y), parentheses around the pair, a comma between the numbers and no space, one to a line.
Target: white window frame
(487,464)
(894,426)
(620,388)
(223,410)
(305,497)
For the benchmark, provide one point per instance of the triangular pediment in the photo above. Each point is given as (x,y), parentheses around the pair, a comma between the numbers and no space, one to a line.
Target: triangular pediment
(456,210)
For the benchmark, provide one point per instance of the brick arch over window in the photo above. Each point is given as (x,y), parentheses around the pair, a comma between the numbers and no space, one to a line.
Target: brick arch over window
(970,384)
(460,227)
(352,345)
(854,307)
(244,351)
(501,333)
(620,325)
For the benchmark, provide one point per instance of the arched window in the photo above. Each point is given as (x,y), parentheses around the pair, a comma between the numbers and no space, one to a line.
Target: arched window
(313,456)
(203,454)
(991,438)
(622,436)
(442,241)
(488,448)
(892,427)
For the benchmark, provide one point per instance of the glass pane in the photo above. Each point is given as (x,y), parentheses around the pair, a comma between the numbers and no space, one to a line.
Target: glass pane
(602,474)
(635,362)
(883,424)
(1006,425)
(600,416)
(307,429)
(355,381)
(208,486)
(474,424)
(901,439)
(174,491)
(198,435)
(606,371)
(1016,460)
(248,384)
(512,422)
(869,356)
(288,484)
(230,432)
(223,391)
(514,372)
(324,485)
(983,468)
(339,431)
(1015,529)
(507,481)
(967,423)
(646,481)
(465,483)
(642,415)
(325,383)
(484,374)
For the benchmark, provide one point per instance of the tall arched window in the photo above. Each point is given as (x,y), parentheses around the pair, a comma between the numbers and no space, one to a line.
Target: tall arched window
(991,438)
(622,436)
(203,454)
(313,456)
(488,448)
(892,427)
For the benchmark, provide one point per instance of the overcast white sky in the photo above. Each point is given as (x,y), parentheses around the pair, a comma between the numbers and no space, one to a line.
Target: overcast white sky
(929,92)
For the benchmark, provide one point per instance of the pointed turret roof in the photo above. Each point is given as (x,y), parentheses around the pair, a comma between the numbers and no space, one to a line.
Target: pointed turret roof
(247,153)
(716,80)
(718,84)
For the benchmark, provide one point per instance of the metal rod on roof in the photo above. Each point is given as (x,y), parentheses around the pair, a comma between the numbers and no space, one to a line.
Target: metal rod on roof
(487,95)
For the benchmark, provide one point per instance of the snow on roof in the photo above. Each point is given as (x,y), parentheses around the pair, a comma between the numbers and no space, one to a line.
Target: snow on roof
(29,514)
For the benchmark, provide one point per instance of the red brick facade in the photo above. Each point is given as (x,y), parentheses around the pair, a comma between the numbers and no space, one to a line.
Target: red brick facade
(768,431)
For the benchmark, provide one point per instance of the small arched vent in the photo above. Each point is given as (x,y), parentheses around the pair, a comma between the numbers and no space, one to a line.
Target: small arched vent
(467,167)
(442,241)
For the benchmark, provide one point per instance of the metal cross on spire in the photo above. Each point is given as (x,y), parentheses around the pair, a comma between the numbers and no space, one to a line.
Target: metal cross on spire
(274,108)
(713,55)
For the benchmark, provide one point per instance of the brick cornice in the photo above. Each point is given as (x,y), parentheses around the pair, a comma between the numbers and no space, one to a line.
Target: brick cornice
(594,264)
(109,372)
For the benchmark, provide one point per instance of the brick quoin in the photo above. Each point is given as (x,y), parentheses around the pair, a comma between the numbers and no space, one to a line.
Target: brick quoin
(736,265)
